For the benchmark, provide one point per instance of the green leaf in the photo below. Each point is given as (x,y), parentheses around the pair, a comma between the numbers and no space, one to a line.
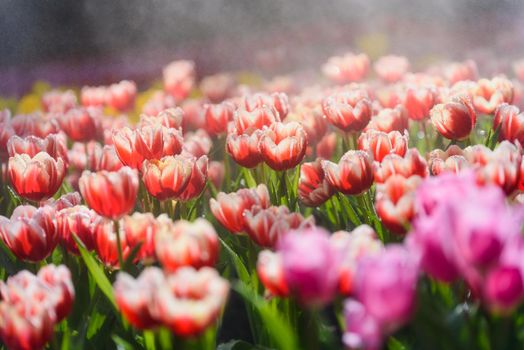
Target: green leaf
(250,180)
(279,330)
(149,340)
(121,343)
(239,345)
(96,271)
(394,344)
(240,267)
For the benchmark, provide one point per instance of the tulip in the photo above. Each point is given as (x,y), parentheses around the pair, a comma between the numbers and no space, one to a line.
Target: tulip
(504,288)
(349,111)
(31,233)
(271,273)
(313,187)
(395,202)
(363,331)
(146,143)
(386,286)
(197,180)
(218,87)
(54,145)
(380,144)
(140,228)
(312,121)
(167,117)
(391,68)
(229,209)
(79,220)
(67,200)
(134,297)
(310,264)
(121,96)
(390,119)
(326,146)
(34,124)
(412,164)
(110,194)
(453,163)
(218,116)
(247,122)
(190,300)
(186,244)
(418,102)
(509,122)
(489,94)
(179,78)
(278,102)
(193,116)
(353,246)
(244,148)
(267,226)
(352,175)
(348,68)
(58,101)
(389,96)
(81,124)
(59,279)
(283,146)
(216,172)
(36,178)
(454,120)
(106,244)
(93,96)
(460,71)
(197,144)
(167,177)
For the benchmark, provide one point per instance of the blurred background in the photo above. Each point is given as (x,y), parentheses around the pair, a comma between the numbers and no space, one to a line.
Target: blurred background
(98,41)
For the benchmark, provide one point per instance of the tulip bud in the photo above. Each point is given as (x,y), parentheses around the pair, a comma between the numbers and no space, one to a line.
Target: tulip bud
(283,146)
(454,120)
(246,122)
(54,145)
(390,119)
(217,87)
(197,180)
(244,148)
(59,280)
(489,94)
(121,96)
(313,187)
(179,78)
(81,124)
(349,111)
(418,102)
(348,68)
(412,164)
(380,144)
(391,68)
(167,177)
(509,122)
(56,101)
(352,175)
(106,243)
(79,220)
(218,116)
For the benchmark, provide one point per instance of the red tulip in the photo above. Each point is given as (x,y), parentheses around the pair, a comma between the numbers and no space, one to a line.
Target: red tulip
(140,228)
(34,124)
(313,187)
(146,142)
(489,94)
(389,96)
(93,96)
(190,300)
(228,209)
(218,116)
(451,160)
(454,120)
(58,101)
(390,119)
(460,71)
(79,220)
(67,200)
(31,233)
(59,279)
(168,117)
(218,87)
(347,68)
(244,148)
(106,243)
(121,96)
(283,146)
(349,111)
(510,123)
(81,124)
(197,144)
(418,102)
(277,102)
(411,164)
(197,180)
(179,79)
(313,122)
(391,68)
(110,193)
(266,226)
(108,124)
(53,144)
(185,243)
(380,144)
(352,175)
(395,202)
(247,122)
(167,177)
(193,116)
(326,146)
(271,273)
(36,178)
(134,297)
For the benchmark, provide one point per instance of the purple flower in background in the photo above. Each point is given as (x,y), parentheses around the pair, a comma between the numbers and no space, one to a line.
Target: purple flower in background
(311,265)
(386,286)
(362,329)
